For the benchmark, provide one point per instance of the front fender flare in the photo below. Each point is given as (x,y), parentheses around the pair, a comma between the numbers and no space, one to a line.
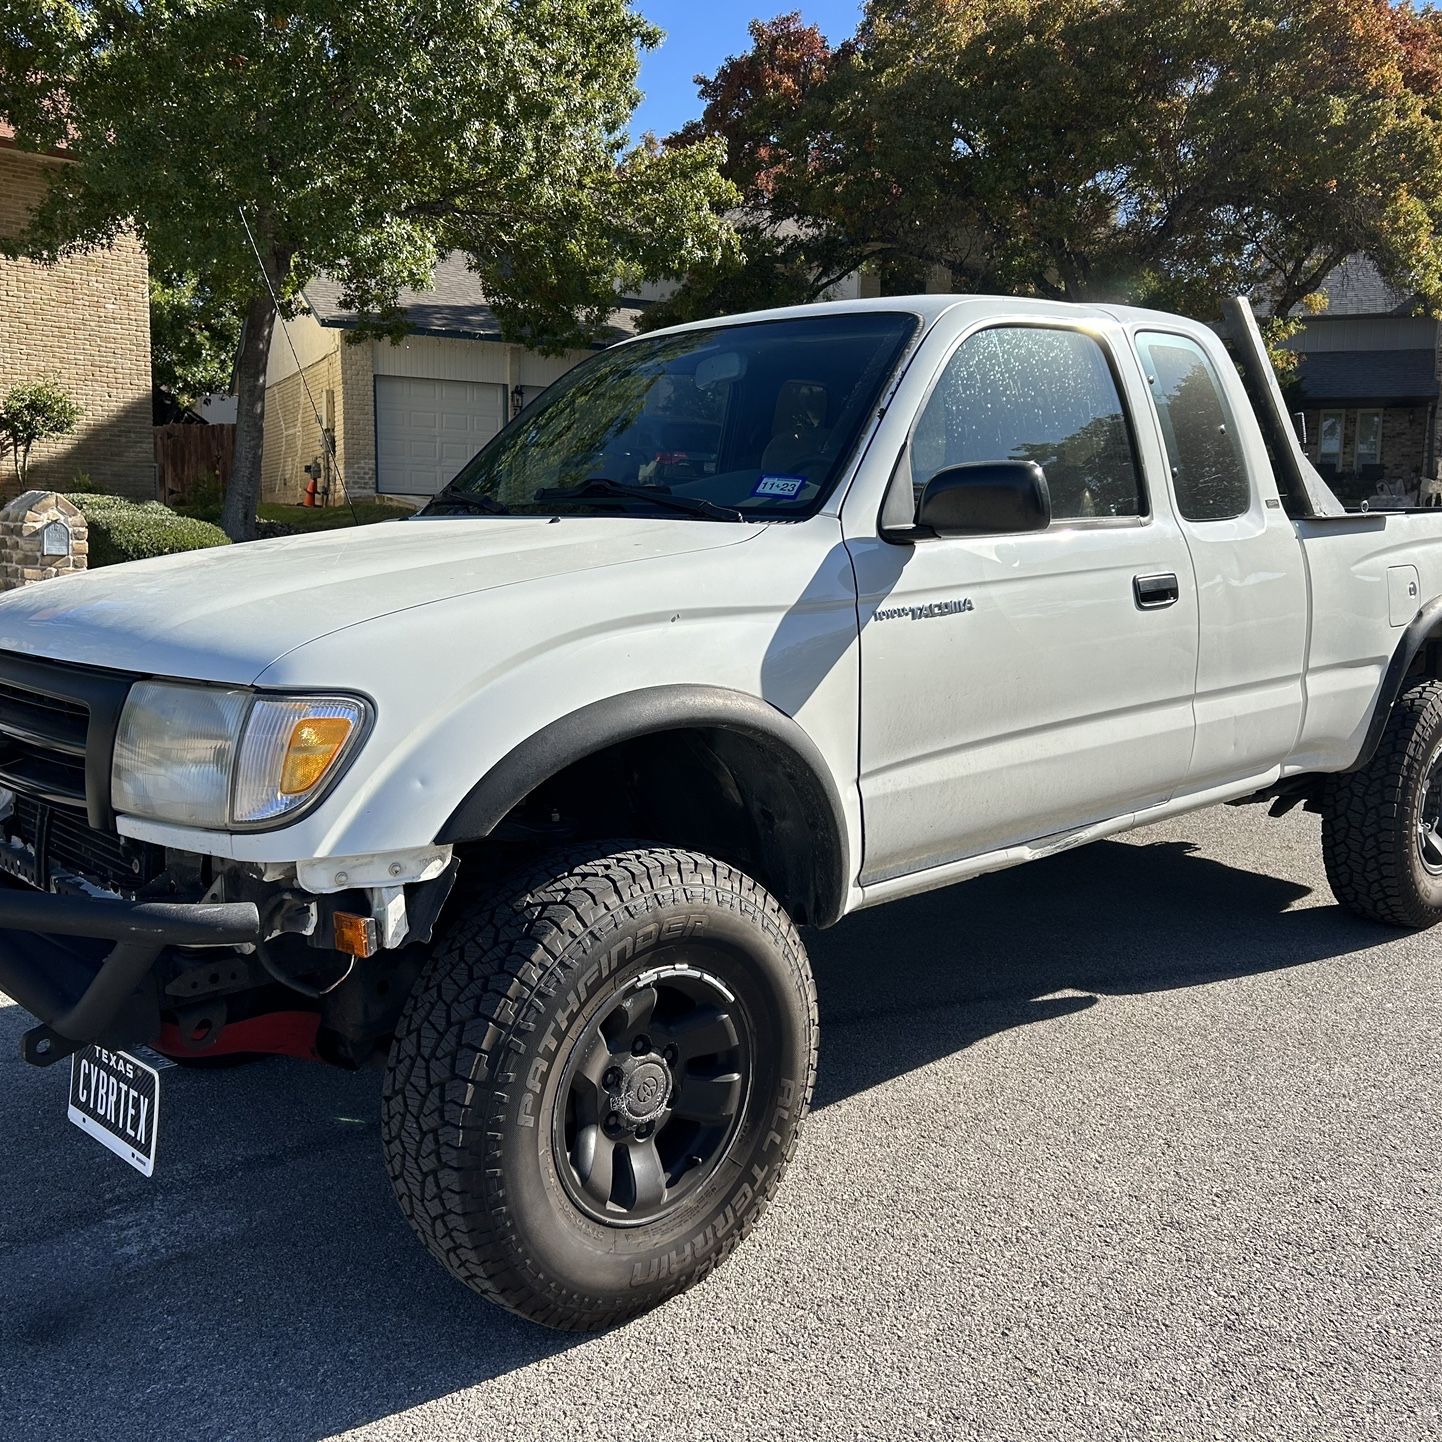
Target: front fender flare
(645,712)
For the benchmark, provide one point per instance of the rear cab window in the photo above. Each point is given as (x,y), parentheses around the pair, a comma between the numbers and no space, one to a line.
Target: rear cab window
(1204,451)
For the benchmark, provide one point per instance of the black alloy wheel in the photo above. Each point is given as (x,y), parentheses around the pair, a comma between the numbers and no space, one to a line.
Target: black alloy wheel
(652,1094)
(1429,817)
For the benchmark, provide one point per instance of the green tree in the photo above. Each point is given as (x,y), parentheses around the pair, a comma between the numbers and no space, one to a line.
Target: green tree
(30,413)
(193,337)
(1158,151)
(361,138)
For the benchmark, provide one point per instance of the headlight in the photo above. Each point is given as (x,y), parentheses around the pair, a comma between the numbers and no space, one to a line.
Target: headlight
(206,756)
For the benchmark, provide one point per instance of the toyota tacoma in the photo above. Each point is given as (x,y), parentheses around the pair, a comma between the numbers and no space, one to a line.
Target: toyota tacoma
(741,627)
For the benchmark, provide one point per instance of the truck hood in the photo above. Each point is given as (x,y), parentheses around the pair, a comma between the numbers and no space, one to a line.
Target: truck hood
(228,613)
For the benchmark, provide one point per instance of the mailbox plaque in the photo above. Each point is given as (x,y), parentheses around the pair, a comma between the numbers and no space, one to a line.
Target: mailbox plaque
(55,539)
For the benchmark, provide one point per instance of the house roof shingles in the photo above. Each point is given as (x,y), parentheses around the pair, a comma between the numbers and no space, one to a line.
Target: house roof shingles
(454,307)
(1356,288)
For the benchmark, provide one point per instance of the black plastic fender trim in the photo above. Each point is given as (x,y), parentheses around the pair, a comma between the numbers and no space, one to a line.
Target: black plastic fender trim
(1425,626)
(634,714)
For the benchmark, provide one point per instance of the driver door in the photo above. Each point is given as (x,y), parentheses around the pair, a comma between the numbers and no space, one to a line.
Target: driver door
(1019,687)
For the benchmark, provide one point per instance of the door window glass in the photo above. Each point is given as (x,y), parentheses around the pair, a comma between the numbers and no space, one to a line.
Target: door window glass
(1032,394)
(1209,473)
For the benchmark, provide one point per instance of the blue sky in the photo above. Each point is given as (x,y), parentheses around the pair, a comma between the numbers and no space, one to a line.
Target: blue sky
(700,34)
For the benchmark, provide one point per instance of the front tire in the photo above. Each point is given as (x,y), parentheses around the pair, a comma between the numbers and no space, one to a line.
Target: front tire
(598,1081)
(1382,825)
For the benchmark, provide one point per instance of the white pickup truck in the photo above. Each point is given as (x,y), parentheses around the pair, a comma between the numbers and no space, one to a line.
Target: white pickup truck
(741,627)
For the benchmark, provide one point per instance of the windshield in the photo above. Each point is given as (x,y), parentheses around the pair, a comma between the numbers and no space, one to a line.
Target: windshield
(742,421)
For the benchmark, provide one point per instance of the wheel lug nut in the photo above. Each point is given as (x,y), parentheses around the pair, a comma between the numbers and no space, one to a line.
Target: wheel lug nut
(612,1079)
(644,1130)
(641,1046)
(669,1056)
(613,1123)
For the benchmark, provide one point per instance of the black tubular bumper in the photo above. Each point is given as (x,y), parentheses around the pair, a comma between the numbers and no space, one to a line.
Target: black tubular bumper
(79,994)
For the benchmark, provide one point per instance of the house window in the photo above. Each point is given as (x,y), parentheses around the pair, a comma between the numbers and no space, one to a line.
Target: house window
(1369,438)
(1329,437)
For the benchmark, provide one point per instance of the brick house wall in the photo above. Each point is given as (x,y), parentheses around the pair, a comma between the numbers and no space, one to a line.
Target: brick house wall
(342,387)
(1406,438)
(357,423)
(85,321)
(1404,443)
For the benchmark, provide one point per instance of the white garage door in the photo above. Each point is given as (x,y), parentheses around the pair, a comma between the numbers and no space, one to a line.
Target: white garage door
(427,430)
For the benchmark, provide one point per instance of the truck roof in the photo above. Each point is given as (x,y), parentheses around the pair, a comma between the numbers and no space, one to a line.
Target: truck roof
(932,307)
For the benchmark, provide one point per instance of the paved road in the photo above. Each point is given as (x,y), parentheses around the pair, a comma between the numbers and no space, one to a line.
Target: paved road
(1140,1142)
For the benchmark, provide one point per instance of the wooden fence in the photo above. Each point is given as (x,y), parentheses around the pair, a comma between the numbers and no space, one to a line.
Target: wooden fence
(185,455)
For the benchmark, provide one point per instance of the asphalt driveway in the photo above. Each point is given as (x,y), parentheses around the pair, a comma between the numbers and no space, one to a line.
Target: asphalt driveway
(1144,1141)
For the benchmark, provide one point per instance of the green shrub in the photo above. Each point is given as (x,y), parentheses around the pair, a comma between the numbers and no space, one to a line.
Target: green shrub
(123,530)
(104,501)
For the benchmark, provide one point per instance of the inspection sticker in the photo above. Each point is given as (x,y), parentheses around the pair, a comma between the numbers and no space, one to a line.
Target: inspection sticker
(779,486)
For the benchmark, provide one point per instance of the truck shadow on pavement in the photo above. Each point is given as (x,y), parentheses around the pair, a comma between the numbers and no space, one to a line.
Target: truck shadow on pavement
(939,972)
(263,1285)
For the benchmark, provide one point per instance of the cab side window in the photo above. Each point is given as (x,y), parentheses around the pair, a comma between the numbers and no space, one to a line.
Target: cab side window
(1209,474)
(1029,393)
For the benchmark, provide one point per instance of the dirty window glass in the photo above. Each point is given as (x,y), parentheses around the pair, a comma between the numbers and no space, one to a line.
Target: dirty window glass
(1209,474)
(1033,394)
(759,418)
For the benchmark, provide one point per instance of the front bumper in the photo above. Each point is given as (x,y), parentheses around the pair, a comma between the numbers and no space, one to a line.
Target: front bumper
(83,994)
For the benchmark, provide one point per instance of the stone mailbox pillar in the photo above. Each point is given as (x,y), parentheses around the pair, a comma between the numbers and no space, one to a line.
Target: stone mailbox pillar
(41,536)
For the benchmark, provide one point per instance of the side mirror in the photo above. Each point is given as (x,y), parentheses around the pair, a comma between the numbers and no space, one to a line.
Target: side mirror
(986,498)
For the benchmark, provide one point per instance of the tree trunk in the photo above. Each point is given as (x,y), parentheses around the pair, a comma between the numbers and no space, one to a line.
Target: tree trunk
(242,494)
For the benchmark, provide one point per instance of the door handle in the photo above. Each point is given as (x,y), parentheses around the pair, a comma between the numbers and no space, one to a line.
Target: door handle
(1154,592)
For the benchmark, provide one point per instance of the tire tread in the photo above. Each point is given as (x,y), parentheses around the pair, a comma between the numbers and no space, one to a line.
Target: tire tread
(515,944)
(1366,839)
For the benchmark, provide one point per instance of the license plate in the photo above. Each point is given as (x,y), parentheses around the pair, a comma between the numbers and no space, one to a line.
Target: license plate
(115,1097)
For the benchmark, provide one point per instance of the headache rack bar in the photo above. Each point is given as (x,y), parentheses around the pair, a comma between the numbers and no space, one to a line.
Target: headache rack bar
(1304,492)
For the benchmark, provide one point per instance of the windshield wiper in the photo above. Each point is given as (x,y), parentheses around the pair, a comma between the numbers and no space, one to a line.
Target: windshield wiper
(603,488)
(454,496)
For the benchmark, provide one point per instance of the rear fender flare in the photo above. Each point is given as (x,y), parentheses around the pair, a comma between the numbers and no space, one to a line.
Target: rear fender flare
(1425,627)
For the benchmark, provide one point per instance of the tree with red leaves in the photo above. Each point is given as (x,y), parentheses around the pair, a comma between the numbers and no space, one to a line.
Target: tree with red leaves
(767,105)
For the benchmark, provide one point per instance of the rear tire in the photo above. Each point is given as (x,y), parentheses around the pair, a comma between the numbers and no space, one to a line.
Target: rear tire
(1382,825)
(598,1081)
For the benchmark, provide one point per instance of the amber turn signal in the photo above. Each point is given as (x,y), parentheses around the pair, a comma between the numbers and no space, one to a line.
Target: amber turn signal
(314,744)
(355,935)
